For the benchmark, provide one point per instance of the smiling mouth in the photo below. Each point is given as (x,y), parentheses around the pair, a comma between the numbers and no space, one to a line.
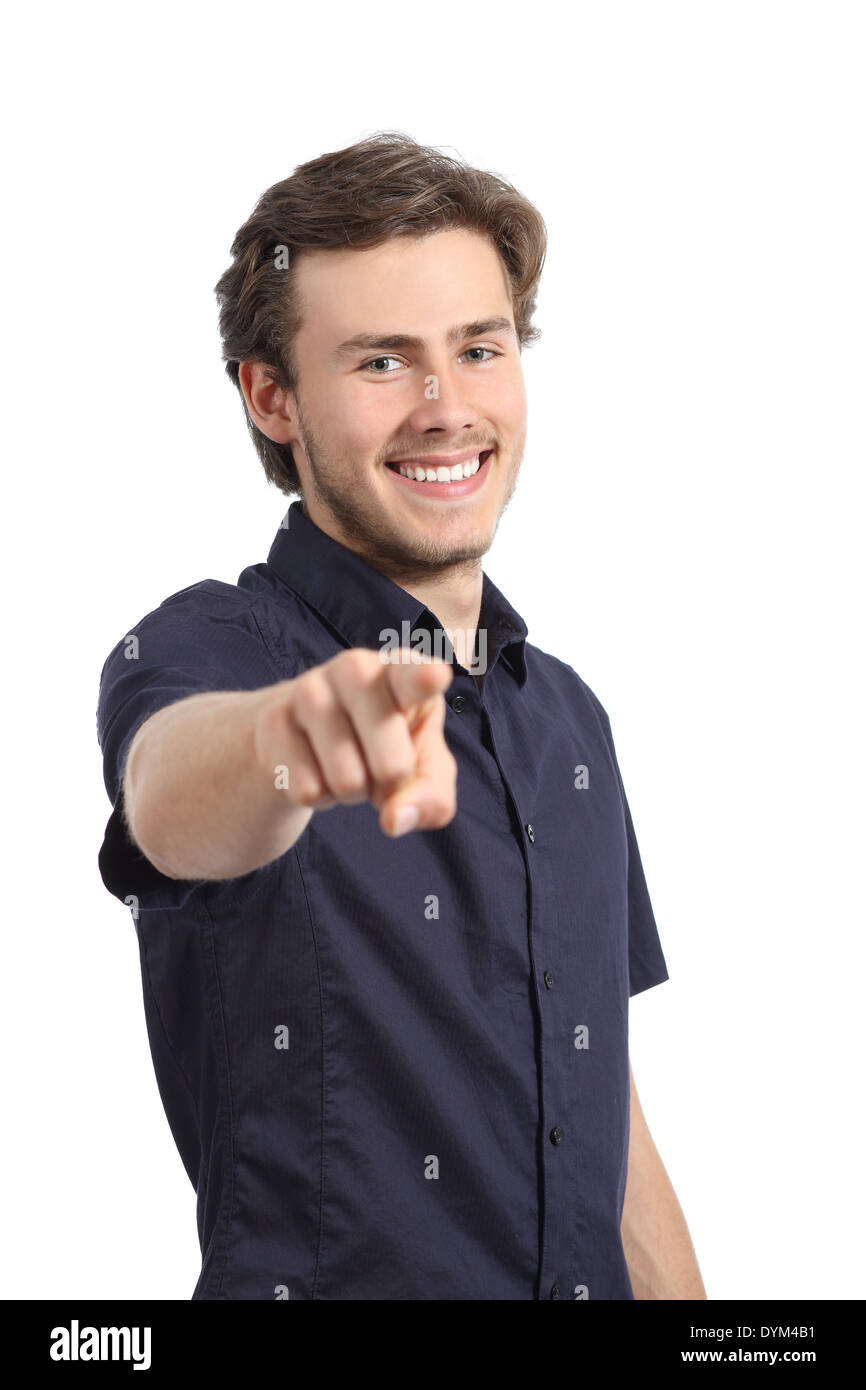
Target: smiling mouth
(436,475)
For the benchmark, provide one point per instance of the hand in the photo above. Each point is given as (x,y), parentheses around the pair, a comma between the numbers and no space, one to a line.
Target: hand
(365,726)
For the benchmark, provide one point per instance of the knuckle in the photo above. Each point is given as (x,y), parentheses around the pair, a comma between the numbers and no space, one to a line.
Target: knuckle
(273,720)
(347,784)
(311,697)
(360,665)
(392,764)
(306,791)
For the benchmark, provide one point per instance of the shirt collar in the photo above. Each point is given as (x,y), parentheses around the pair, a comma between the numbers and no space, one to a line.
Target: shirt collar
(358,602)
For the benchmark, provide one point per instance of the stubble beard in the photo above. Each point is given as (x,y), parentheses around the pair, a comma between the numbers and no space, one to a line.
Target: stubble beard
(385,546)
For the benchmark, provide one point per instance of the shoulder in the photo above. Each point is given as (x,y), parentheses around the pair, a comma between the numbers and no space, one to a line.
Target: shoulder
(179,619)
(211,614)
(560,678)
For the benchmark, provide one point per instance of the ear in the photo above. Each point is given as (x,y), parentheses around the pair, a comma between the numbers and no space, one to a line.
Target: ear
(271,408)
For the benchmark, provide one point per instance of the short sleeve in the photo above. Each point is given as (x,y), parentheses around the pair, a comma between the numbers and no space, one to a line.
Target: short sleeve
(646,962)
(204,638)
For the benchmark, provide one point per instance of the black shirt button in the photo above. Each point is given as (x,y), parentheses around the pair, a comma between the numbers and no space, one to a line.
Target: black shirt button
(458,704)
(555,1291)
(556,1135)
(548,979)
(531,833)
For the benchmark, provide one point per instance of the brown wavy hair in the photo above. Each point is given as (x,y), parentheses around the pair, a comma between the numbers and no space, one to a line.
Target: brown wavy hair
(382,187)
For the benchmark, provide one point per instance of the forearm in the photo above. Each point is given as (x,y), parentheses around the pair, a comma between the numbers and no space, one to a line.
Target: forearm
(199,804)
(658,1248)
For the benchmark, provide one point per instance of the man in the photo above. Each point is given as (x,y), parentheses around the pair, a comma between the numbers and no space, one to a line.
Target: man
(388,896)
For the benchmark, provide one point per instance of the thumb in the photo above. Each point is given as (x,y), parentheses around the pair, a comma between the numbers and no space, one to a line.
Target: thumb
(428,800)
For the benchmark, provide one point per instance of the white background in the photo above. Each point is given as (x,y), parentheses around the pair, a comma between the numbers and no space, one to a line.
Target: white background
(686,533)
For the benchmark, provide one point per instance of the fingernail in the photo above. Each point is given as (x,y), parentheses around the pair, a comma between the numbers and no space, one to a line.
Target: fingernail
(407,819)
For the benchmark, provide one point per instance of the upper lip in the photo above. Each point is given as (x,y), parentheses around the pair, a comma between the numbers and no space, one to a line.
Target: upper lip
(442,460)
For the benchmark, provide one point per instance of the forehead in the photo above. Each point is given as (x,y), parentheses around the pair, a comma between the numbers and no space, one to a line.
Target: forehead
(406,283)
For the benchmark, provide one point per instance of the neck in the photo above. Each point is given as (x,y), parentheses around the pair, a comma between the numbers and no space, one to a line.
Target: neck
(451,592)
(454,596)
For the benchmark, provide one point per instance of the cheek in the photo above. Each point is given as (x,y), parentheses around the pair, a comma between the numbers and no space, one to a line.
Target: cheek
(353,423)
(364,420)
(510,405)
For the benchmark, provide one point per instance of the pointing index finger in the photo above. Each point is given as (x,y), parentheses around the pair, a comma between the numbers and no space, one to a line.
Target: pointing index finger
(415,679)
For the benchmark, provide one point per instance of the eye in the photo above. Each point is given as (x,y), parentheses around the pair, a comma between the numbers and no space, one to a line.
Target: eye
(483,349)
(372,365)
(373,362)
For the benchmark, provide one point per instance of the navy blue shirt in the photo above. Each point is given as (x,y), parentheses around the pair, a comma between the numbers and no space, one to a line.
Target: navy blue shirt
(394,1068)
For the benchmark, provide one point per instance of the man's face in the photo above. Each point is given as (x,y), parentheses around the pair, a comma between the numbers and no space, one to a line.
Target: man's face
(454,394)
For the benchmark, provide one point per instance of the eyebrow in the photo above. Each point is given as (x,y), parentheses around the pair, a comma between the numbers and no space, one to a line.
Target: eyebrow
(366,342)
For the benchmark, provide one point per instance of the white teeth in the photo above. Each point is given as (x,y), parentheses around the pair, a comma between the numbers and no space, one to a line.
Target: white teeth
(441,475)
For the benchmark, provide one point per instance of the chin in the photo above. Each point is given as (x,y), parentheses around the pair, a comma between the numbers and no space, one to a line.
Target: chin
(440,547)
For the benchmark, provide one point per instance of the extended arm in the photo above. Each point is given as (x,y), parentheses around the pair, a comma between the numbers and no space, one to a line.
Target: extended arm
(221,782)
